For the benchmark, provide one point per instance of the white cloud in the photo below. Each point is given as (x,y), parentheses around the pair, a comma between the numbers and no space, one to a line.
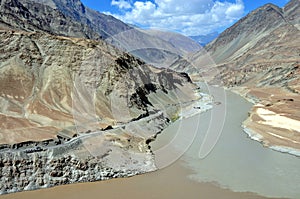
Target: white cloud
(121,4)
(190,17)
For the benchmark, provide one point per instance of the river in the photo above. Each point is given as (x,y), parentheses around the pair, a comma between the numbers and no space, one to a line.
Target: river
(237,162)
(236,167)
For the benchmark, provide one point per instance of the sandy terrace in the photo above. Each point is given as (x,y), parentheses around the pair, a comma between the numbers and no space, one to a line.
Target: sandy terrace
(276,119)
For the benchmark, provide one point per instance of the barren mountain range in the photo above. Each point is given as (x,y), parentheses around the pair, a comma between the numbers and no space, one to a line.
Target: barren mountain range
(47,80)
(72,18)
(259,57)
(82,100)
(67,85)
(73,107)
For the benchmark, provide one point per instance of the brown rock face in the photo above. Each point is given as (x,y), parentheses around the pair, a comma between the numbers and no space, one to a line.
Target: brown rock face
(51,83)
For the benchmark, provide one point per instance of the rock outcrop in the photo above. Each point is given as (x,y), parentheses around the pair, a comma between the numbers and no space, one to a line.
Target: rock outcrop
(91,157)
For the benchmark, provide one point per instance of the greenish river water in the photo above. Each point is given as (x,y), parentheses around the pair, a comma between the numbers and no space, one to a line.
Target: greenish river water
(235,162)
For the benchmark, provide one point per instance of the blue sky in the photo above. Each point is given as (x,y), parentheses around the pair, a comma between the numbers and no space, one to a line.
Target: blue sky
(189,17)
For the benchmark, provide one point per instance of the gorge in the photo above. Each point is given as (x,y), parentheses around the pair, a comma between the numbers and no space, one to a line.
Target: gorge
(86,97)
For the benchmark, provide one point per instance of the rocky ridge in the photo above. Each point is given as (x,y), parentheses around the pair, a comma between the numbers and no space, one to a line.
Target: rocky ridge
(65,98)
(31,16)
(72,18)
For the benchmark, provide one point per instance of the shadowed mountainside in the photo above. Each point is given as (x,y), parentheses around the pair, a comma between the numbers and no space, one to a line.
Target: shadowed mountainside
(72,18)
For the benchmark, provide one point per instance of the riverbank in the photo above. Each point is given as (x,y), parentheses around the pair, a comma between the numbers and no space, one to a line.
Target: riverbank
(236,162)
(170,182)
(237,167)
(120,151)
(274,119)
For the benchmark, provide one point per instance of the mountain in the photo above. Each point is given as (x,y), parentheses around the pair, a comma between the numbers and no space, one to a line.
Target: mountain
(74,108)
(162,57)
(30,16)
(61,97)
(72,18)
(106,26)
(246,33)
(205,39)
(48,78)
(259,58)
(180,42)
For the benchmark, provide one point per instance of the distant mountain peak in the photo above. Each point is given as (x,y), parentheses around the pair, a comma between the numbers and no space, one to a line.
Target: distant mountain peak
(264,39)
(269,5)
(267,17)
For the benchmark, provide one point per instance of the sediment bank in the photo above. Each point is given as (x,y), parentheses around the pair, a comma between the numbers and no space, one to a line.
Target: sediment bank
(274,119)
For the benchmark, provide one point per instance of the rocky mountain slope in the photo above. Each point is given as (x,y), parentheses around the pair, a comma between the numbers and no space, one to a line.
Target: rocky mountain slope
(74,109)
(58,91)
(72,18)
(106,26)
(31,16)
(259,57)
(46,80)
(184,44)
(161,55)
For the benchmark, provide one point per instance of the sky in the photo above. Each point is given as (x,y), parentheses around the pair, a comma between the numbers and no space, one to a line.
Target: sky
(188,17)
